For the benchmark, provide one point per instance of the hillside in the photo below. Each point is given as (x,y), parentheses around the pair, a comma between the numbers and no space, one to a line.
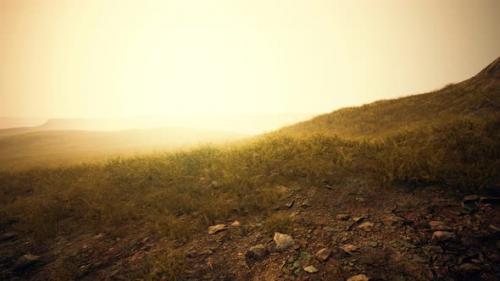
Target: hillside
(404,189)
(476,98)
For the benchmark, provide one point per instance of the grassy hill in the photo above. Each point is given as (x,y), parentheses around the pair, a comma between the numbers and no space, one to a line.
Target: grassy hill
(154,210)
(476,98)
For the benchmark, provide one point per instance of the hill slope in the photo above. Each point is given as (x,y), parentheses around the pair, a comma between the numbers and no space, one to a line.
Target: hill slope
(477,97)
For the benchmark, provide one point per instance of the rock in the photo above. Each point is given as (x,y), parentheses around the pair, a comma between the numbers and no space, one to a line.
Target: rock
(443,235)
(235,224)
(7,236)
(256,252)
(392,220)
(359,277)
(290,204)
(343,217)
(494,227)
(323,254)
(349,248)
(310,269)
(359,218)
(438,225)
(283,241)
(25,261)
(306,203)
(366,226)
(216,228)
(469,268)
(470,198)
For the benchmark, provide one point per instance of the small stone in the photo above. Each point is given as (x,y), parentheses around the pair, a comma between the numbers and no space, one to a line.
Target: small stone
(310,269)
(323,254)
(283,241)
(366,226)
(349,248)
(216,228)
(26,261)
(443,235)
(470,198)
(359,277)
(7,236)
(290,204)
(306,203)
(236,224)
(358,218)
(494,227)
(343,217)
(392,220)
(256,252)
(469,268)
(438,225)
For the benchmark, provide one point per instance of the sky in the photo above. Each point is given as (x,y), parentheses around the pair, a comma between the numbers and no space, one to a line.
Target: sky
(188,58)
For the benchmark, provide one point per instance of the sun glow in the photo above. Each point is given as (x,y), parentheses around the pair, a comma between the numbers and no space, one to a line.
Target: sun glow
(193,59)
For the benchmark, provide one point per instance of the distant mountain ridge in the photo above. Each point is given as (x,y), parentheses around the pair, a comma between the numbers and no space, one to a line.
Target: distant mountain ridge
(239,123)
(477,97)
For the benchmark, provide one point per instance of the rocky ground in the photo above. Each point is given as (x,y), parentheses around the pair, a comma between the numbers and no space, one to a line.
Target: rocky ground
(335,233)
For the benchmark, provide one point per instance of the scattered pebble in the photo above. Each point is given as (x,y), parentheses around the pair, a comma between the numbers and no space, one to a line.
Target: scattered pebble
(256,252)
(349,248)
(306,203)
(7,236)
(438,225)
(443,235)
(216,228)
(366,226)
(26,261)
(323,254)
(283,241)
(343,217)
(469,268)
(310,269)
(358,218)
(359,277)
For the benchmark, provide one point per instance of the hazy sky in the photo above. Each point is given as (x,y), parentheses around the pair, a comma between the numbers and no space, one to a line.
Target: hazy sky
(99,58)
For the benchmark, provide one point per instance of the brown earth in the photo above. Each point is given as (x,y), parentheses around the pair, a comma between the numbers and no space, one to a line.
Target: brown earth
(398,246)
